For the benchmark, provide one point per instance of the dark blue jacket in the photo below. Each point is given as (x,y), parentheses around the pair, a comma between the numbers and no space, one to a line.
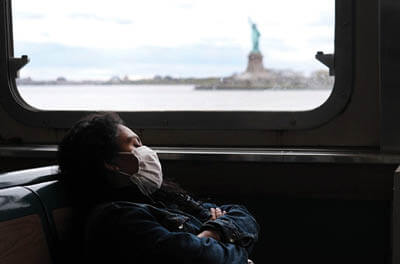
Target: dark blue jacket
(126,232)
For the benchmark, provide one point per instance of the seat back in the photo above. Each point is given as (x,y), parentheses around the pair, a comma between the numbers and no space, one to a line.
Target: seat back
(25,234)
(59,213)
(28,177)
(35,219)
(57,207)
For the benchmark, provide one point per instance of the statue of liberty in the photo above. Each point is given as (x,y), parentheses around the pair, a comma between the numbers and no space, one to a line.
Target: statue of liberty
(255,64)
(255,36)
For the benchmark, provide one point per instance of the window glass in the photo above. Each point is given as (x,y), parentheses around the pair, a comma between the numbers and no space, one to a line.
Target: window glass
(173,55)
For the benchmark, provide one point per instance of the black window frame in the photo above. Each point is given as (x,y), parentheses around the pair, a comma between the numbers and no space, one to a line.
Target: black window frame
(13,103)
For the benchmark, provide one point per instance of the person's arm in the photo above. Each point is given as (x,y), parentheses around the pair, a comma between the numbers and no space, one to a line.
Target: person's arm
(237,226)
(210,233)
(139,224)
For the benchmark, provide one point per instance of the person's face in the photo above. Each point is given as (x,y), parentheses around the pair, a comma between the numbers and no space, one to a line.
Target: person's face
(127,139)
(125,161)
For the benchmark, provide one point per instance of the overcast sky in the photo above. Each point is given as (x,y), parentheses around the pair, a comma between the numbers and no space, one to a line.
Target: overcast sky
(96,39)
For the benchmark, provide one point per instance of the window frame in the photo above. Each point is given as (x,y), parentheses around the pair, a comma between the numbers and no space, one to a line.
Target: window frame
(13,103)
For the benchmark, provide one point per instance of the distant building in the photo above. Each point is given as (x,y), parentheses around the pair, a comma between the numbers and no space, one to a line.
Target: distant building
(115,79)
(157,78)
(27,80)
(61,79)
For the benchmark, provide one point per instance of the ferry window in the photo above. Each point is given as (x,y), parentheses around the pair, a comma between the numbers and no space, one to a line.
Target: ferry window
(174,55)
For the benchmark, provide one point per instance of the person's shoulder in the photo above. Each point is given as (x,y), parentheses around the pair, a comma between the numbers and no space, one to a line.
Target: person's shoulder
(117,208)
(125,204)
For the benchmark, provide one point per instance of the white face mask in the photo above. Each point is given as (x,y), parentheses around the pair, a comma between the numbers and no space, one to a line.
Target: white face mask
(149,176)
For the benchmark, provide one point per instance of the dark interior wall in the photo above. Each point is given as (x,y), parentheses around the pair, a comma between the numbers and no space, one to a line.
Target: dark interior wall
(390,61)
(314,180)
(321,230)
(308,213)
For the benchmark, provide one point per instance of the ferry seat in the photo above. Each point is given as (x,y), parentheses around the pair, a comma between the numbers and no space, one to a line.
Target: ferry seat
(27,177)
(59,213)
(25,236)
(35,218)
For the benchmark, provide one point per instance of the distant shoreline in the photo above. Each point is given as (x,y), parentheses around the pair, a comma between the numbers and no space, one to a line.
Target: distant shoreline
(195,87)
(188,81)
(277,80)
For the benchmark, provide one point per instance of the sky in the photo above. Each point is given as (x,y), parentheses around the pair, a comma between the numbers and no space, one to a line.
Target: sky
(97,39)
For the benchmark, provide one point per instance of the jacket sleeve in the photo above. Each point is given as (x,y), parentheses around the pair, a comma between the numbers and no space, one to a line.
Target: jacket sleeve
(182,247)
(237,226)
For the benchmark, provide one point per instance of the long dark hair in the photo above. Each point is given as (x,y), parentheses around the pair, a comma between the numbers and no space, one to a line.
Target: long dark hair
(82,155)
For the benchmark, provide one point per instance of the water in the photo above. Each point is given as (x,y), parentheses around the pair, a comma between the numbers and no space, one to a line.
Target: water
(167,98)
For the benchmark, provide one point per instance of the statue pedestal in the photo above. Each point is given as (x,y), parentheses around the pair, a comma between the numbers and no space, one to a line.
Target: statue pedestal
(255,63)
(255,69)
(256,77)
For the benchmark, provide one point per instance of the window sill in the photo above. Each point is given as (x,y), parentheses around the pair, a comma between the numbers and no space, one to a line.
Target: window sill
(271,155)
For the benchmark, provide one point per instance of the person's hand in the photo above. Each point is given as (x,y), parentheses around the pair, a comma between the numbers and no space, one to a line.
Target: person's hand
(209,233)
(216,212)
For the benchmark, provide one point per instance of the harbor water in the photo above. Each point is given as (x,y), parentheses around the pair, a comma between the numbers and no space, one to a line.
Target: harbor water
(167,98)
